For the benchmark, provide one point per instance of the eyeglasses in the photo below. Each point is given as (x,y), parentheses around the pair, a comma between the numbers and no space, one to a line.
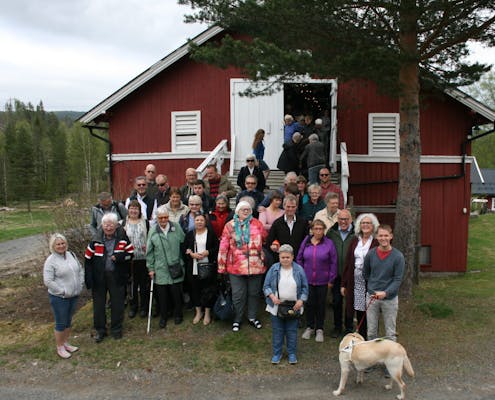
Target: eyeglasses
(162,184)
(249,160)
(195,204)
(343,219)
(151,172)
(365,223)
(141,185)
(163,217)
(250,183)
(324,174)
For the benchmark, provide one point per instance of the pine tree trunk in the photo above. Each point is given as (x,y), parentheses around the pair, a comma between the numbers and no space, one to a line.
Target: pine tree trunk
(408,216)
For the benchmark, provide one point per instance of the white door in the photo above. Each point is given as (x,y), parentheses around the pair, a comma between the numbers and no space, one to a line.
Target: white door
(247,115)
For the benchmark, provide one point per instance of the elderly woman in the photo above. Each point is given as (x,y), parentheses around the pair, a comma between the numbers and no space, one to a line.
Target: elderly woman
(175,207)
(136,227)
(314,204)
(353,286)
(106,270)
(285,281)
(329,215)
(201,246)
(63,275)
(272,212)
(220,215)
(165,264)
(186,221)
(318,257)
(241,256)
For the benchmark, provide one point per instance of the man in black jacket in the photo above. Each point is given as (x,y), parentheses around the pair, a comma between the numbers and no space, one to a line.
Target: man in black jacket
(251,169)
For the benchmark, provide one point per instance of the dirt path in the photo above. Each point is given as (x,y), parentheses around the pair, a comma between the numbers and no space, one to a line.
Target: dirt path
(22,255)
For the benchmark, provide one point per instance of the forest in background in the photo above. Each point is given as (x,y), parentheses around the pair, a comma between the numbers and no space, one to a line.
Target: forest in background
(46,156)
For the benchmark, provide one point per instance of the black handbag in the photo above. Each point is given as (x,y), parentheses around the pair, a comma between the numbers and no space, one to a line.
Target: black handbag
(286,310)
(175,271)
(206,270)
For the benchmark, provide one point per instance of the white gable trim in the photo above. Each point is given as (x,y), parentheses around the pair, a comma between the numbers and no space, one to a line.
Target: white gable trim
(472,103)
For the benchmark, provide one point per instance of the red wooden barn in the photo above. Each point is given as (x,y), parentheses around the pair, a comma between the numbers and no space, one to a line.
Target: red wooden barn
(178,111)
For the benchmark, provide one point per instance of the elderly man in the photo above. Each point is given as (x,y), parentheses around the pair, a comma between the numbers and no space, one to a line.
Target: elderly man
(288,229)
(216,184)
(148,203)
(327,186)
(251,191)
(106,267)
(341,235)
(313,156)
(188,189)
(329,215)
(105,205)
(251,169)
(163,194)
(150,173)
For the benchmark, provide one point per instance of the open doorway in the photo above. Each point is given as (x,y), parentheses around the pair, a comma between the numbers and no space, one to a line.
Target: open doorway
(302,99)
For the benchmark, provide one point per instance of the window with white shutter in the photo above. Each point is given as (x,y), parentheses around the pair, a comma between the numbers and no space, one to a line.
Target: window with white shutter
(383,135)
(186,131)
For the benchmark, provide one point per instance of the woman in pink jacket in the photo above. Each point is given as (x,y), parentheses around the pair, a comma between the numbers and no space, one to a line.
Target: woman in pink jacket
(241,256)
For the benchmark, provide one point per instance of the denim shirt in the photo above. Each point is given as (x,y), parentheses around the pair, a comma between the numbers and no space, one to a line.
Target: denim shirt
(271,283)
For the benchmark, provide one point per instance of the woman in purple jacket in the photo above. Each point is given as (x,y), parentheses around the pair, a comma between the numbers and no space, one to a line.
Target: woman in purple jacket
(318,257)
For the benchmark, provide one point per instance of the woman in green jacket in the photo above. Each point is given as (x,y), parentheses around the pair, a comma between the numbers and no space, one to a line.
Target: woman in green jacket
(165,264)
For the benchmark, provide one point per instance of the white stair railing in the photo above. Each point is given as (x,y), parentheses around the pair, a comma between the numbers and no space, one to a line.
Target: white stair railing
(344,171)
(217,157)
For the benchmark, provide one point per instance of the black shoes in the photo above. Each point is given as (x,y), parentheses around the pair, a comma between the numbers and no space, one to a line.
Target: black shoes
(132,313)
(100,336)
(163,323)
(117,335)
(143,314)
(178,320)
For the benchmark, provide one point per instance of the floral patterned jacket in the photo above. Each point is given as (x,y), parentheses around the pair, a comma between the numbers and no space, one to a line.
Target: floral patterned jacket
(248,259)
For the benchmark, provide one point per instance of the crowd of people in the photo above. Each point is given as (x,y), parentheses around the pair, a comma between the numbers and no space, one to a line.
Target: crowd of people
(174,245)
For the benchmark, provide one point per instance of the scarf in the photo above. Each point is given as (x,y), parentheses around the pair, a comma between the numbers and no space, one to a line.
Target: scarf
(241,230)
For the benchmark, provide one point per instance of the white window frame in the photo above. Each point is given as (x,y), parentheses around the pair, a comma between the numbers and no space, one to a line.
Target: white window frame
(389,133)
(186,146)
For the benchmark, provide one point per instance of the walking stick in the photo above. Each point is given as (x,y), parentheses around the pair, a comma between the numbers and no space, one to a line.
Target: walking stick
(149,307)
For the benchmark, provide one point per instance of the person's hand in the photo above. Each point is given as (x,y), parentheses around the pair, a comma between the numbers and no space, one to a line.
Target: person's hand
(298,305)
(380,295)
(275,299)
(342,291)
(113,258)
(330,285)
(151,274)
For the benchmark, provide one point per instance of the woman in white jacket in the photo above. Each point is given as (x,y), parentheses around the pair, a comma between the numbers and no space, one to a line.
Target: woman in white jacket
(64,277)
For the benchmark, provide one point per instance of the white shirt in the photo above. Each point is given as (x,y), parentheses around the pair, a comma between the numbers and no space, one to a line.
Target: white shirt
(200,246)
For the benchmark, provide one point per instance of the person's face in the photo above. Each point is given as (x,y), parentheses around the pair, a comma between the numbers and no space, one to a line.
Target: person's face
(150,172)
(250,184)
(198,189)
(290,208)
(286,259)
(384,238)
(291,179)
(287,121)
(250,162)
(109,228)
(199,222)
(244,212)
(301,186)
(366,226)
(325,175)
(162,220)
(344,220)
(162,185)
(308,120)
(318,231)
(221,205)
(314,195)
(175,199)
(211,173)
(105,204)
(195,206)
(133,212)
(191,176)
(141,187)
(60,246)
(333,205)
(276,202)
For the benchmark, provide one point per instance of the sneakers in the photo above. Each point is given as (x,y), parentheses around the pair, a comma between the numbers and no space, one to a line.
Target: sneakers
(292,359)
(319,336)
(236,326)
(62,353)
(307,333)
(70,348)
(256,323)
(276,359)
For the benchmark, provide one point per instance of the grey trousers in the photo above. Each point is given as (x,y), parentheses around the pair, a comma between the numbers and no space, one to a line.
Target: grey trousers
(246,289)
(389,309)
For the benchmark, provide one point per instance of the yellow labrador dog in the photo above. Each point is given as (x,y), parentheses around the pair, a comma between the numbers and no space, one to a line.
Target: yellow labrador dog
(354,350)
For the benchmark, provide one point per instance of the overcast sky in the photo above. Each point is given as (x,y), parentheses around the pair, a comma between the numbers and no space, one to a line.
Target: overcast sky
(71,54)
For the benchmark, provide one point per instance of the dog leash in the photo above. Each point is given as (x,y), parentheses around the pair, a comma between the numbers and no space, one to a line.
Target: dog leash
(372,299)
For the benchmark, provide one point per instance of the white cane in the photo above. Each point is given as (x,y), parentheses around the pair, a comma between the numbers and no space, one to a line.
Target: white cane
(149,307)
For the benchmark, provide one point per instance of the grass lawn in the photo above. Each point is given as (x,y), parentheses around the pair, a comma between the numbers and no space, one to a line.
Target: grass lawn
(19,222)
(441,327)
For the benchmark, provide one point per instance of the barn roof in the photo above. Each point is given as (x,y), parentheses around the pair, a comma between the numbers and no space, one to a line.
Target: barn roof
(486,185)
(203,37)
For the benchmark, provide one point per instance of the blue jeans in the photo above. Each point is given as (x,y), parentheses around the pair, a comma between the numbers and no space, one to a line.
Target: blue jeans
(284,328)
(63,310)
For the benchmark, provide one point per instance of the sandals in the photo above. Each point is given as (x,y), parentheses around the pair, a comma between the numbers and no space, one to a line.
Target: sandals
(256,323)
(236,326)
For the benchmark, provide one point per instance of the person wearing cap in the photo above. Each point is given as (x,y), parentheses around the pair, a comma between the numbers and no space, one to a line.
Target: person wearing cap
(251,169)
(285,281)
(241,257)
